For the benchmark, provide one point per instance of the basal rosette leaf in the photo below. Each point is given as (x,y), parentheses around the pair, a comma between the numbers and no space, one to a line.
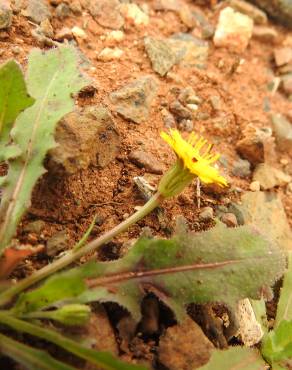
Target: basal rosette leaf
(52,78)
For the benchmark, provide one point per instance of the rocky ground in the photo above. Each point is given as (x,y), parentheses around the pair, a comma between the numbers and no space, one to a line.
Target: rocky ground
(191,65)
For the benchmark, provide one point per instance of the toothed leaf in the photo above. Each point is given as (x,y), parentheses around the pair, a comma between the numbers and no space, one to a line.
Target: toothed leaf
(52,78)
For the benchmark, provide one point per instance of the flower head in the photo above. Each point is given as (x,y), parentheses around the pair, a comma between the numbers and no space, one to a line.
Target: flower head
(194,159)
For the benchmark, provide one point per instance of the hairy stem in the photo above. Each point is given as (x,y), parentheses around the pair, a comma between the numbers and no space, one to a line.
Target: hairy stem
(75,254)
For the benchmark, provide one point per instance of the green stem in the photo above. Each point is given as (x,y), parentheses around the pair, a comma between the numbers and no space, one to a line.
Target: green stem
(101,359)
(75,254)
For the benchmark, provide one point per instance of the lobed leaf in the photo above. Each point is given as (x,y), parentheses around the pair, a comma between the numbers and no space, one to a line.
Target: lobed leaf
(13,99)
(52,78)
(239,358)
(284,309)
(219,265)
(30,358)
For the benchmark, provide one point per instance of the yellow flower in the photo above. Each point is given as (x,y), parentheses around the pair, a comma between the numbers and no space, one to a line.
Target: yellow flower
(192,161)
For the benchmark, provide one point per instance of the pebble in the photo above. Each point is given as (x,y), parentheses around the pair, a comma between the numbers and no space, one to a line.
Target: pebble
(78,32)
(64,33)
(252,11)
(255,186)
(75,7)
(287,83)
(187,16)
(5,14)
(283,56)
(134,100)
(106,13)
(283,131)
(87,136)
(46,28)
(37,10)
(57,243)
(185,94)
(168,119)
(229,219)
(134,14)
(115,35)
(278,9)
(108,54)
(215,101)
(16,50)
(146,160)
(265,34)
(241,168)
(269,177)
(179,110)
(206,214)
(35,227)
(233,31)
(192,107)
(63,10)
(186,125)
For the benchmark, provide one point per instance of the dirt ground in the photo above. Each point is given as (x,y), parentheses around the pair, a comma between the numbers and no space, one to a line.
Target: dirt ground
(69,203)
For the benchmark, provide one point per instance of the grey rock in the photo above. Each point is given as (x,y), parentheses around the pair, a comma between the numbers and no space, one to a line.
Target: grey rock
(63,10)
(263,209)
(35,227)
(5,14)
(188,96)
(179,110)
(146,160)
(283,132)
(37,10)
(236,210)
(168,119)
(106,13)
(277,9)
(85,137)
(269,177)
(161,55)
(241,168)
(206,214)
(134,100)
(57,243)
(186,125)
(184,347)
(229,219)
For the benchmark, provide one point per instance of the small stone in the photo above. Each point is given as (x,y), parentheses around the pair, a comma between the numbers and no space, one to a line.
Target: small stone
(283,56)
(265,34)
(46,28)
(233,31)
(269,177)
(16,50)
(168,119)
(186,125)
(179,110)
(184,347)
(35,227)
(134,100)
(63,11)
(283,131)
(134,14)
(252,11)
(160,54)
(187,17)
(192,107)
(255,186)
(115,35)
(185,94)
(106,13)
(108,54)
(78,32)
(206,214)
(146,160)
(241,168)
(287,83)
(5,14)
(37,10)
(229,219)
(256,144)
(65,33)
(215,101)
(57,243)
(75,7)
(84,137)
(41,38)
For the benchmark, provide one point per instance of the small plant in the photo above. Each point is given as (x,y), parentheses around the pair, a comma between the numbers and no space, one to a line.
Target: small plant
(222,265)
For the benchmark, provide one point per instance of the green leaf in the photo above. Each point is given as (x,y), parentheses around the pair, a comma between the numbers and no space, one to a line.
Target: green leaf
(277,345)
(13,99)
(100,359)
(236,358)
(32,359)
(284,309)
(52,78)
